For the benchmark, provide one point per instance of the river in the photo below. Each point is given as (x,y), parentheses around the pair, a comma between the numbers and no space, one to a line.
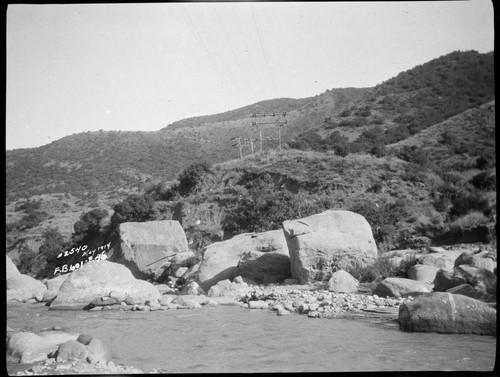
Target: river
(232,339)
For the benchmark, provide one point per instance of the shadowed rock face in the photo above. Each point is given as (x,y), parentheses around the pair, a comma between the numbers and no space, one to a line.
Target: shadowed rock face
(263,268)
(447,313)
(483,281)
(326,241)
(147,246)
(482,260)
(254,256)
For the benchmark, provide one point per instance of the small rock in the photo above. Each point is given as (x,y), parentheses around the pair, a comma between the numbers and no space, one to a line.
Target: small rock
(84,339)
(313,307)
(283,312)
(303,309)
(257,305)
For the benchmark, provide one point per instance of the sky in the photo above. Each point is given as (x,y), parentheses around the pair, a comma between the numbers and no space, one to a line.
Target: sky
(74,68)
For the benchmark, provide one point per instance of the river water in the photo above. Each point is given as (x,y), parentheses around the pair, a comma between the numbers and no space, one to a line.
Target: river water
(233,339)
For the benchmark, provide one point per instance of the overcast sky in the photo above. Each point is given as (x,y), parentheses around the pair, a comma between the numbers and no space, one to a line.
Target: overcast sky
(86,67)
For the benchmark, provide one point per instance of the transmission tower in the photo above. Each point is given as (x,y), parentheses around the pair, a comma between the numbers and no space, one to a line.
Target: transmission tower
(277,122)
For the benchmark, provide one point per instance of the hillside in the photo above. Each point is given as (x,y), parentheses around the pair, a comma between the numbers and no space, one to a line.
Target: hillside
(338,146)
(103,161)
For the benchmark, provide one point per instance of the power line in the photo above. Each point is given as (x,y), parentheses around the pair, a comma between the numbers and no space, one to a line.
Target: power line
(207,51)
(247,49)
(263,51)
(228,43)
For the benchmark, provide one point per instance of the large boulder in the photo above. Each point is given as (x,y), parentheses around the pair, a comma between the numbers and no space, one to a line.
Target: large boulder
(445,280)
(257,256)
(466,290)
(145,247)
(22,287)
(483,259)
(397,287)
(11,268)
(423,273)
(326,241)
(101,279)
(28,347)
(442,259)
(482,280)
(53,285)
(447,313)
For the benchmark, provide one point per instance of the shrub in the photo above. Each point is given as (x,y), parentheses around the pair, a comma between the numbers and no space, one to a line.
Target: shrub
(191,177)
(413,173)
(345,113)
(395,134)
(449,137)
(382,219)
(53,244)
(484,181)
(28,261)
(469,221)
(378,150)
(380,269)
(484,162)
(29,205)
(133,208)
(308,140)
(265,208)
(88,226)
(329,123)
(414,154)
(31,220)
(466,202)
(353,123)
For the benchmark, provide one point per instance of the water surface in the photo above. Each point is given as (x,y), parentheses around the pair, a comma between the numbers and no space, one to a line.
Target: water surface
(232,339)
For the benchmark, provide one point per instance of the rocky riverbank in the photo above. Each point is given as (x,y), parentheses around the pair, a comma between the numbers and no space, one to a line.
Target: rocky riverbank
(55,352)
(308,301)
(299,270)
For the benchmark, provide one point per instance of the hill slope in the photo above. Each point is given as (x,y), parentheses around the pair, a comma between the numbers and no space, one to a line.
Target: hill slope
(102,161)
(442,109)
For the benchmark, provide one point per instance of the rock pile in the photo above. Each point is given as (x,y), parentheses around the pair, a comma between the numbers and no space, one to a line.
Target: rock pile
(317,303)
(56,352)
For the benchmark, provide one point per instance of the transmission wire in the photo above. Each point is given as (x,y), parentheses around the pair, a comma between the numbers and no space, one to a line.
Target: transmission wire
(263,51)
